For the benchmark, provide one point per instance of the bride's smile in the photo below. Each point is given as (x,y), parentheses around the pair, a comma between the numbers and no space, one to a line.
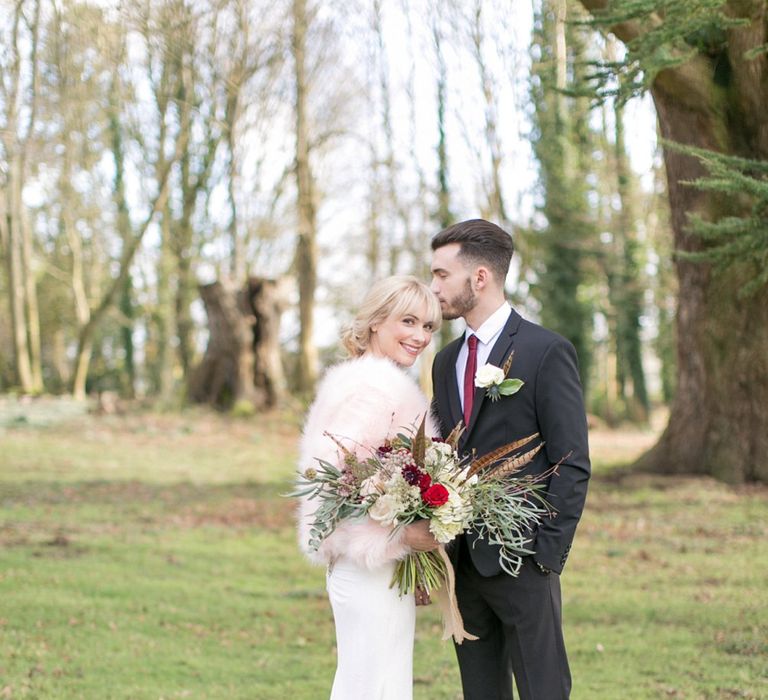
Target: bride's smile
(402,337)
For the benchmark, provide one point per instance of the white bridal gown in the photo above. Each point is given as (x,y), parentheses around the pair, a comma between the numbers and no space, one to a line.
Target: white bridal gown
(374,633)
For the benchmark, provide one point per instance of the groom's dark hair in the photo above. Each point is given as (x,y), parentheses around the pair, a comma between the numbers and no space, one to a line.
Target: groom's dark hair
(481,242)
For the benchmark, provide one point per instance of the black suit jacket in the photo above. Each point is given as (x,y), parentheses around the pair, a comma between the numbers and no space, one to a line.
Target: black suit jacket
(550,403)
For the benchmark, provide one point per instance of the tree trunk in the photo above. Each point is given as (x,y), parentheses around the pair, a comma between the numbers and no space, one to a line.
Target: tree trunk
(242,361)
(444,214)
(563,138)
(20,107)
(496,206)
(629,297)
(306,248)
(82,306)
(718,423)
(123,223)
(166,313)
(16,280)
(267,302)
(31,309)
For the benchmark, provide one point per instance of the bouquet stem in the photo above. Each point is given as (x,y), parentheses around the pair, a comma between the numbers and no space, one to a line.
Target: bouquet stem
(419,570)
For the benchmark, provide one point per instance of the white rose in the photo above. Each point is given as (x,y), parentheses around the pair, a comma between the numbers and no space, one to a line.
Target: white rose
(488,375)
(385,510)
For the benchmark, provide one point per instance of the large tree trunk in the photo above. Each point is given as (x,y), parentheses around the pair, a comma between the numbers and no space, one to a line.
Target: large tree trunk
(718,423)
(242,361)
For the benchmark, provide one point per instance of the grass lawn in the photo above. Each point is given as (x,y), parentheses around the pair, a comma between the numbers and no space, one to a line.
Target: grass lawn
(147,557)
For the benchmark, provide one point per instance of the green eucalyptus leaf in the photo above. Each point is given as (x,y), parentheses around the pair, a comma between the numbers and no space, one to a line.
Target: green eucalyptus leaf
(510,386)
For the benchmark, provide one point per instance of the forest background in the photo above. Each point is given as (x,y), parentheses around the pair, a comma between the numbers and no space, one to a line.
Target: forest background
(195,194)
(262,161)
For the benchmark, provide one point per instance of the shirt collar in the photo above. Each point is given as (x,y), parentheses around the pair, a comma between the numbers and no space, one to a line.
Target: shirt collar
(492,326)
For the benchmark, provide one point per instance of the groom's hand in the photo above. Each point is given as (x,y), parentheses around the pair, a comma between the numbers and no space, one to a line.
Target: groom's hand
(419,538)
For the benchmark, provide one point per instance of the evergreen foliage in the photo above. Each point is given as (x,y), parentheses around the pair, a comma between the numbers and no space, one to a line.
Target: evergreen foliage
(733,239)
(677,30)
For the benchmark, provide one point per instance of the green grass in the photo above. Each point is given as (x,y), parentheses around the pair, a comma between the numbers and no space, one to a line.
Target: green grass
(152,557)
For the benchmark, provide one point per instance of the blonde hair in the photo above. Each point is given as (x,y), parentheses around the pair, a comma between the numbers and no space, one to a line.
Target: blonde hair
(391,296)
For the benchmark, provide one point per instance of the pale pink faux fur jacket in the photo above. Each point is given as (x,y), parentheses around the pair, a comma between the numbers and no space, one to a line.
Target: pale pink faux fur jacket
(362,402)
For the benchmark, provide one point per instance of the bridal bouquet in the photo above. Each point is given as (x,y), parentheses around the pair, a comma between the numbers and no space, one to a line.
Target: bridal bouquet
(413,477)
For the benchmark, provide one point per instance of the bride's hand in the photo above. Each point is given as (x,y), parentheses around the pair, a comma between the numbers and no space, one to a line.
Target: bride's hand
(419,538)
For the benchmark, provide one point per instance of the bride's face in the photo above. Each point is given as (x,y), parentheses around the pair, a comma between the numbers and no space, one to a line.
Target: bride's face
(402,338)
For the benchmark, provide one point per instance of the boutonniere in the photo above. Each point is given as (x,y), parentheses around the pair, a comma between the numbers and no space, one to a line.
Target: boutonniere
(494,380)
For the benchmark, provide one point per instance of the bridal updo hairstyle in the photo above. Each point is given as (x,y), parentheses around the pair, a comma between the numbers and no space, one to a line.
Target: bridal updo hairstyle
(391,296)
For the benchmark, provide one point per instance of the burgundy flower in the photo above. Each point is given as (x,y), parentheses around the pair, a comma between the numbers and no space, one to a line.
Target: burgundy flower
(412,474)
(436,495)
(384,449)
(425,481)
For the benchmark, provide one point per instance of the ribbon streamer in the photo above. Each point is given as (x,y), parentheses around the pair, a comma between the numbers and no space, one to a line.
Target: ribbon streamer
(445,596)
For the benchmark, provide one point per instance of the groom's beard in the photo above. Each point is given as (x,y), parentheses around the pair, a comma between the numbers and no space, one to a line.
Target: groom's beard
(461,304)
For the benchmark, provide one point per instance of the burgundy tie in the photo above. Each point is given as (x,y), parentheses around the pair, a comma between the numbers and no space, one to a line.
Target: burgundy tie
(469,377)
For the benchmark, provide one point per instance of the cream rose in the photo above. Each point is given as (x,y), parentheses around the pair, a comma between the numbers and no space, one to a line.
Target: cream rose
(488,375)
(385,510)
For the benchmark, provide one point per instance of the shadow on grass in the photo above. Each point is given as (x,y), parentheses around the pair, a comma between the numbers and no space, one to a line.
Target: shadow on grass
(54,514)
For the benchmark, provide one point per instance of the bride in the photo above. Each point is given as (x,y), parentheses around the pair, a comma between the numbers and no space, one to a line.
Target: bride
(363,401)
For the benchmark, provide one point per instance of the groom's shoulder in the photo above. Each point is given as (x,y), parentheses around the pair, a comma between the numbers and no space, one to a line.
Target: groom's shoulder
(540,335)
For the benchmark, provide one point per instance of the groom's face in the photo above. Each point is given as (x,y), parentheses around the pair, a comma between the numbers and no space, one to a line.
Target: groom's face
(451,282)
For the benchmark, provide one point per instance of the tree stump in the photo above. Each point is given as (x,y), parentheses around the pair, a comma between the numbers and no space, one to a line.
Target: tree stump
(242,361)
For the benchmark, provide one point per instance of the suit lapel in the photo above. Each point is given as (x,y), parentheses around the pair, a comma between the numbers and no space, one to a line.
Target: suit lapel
(502,347)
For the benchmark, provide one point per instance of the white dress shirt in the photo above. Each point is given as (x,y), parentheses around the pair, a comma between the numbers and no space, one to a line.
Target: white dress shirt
(487,335)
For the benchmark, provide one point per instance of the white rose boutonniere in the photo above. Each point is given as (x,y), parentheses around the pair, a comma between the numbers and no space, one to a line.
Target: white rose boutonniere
(493,380)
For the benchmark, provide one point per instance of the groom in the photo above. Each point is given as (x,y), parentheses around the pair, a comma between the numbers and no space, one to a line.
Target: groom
(517,619)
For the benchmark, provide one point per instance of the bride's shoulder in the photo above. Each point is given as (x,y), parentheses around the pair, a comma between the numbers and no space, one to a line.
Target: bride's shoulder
(366,373)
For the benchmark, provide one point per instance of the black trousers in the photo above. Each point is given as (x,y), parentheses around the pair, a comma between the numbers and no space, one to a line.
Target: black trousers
(519,623)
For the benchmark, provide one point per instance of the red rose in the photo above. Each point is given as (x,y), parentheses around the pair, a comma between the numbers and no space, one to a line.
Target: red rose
(425,481)
(436,495)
